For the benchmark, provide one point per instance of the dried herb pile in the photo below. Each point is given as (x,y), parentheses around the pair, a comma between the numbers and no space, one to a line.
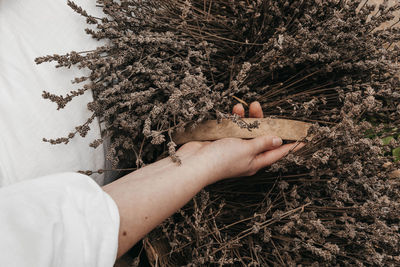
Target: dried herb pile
(171,63)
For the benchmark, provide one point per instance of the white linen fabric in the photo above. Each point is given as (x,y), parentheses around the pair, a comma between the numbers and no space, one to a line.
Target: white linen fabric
(28,29)
(60,220)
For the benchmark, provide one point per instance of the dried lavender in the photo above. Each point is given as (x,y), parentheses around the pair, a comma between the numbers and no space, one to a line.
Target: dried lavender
(168,64)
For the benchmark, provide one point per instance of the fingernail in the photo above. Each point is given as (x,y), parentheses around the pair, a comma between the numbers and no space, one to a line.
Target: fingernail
(276,141)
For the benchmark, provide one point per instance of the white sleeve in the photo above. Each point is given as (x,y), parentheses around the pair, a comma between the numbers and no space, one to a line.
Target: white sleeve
(59,220)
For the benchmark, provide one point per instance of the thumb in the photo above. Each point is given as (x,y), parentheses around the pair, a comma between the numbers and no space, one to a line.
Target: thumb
(264,143)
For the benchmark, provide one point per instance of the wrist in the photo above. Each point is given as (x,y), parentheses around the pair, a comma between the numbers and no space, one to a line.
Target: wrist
(202,169)
(193,168)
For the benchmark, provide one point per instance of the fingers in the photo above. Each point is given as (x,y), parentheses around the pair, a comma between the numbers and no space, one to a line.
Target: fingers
(264,143)
(255,110)
(238,109)
(269,157)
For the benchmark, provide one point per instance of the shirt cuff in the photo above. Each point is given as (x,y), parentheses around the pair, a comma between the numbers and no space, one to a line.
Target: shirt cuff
(59,220)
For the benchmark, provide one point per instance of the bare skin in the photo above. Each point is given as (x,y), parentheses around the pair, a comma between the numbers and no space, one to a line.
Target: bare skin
(151,194)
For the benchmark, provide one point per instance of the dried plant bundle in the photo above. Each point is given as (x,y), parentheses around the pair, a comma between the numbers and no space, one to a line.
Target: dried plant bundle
(170,64)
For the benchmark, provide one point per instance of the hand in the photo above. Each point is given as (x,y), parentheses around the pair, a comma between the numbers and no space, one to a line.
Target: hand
(151,194)
(234,157)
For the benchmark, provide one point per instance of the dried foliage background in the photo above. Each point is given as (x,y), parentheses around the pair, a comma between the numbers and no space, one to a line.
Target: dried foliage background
(171,63)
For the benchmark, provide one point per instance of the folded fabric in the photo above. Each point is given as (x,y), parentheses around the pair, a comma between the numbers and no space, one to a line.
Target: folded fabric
(58,220)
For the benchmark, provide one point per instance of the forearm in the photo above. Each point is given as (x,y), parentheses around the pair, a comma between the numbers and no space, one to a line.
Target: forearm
(148,196)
